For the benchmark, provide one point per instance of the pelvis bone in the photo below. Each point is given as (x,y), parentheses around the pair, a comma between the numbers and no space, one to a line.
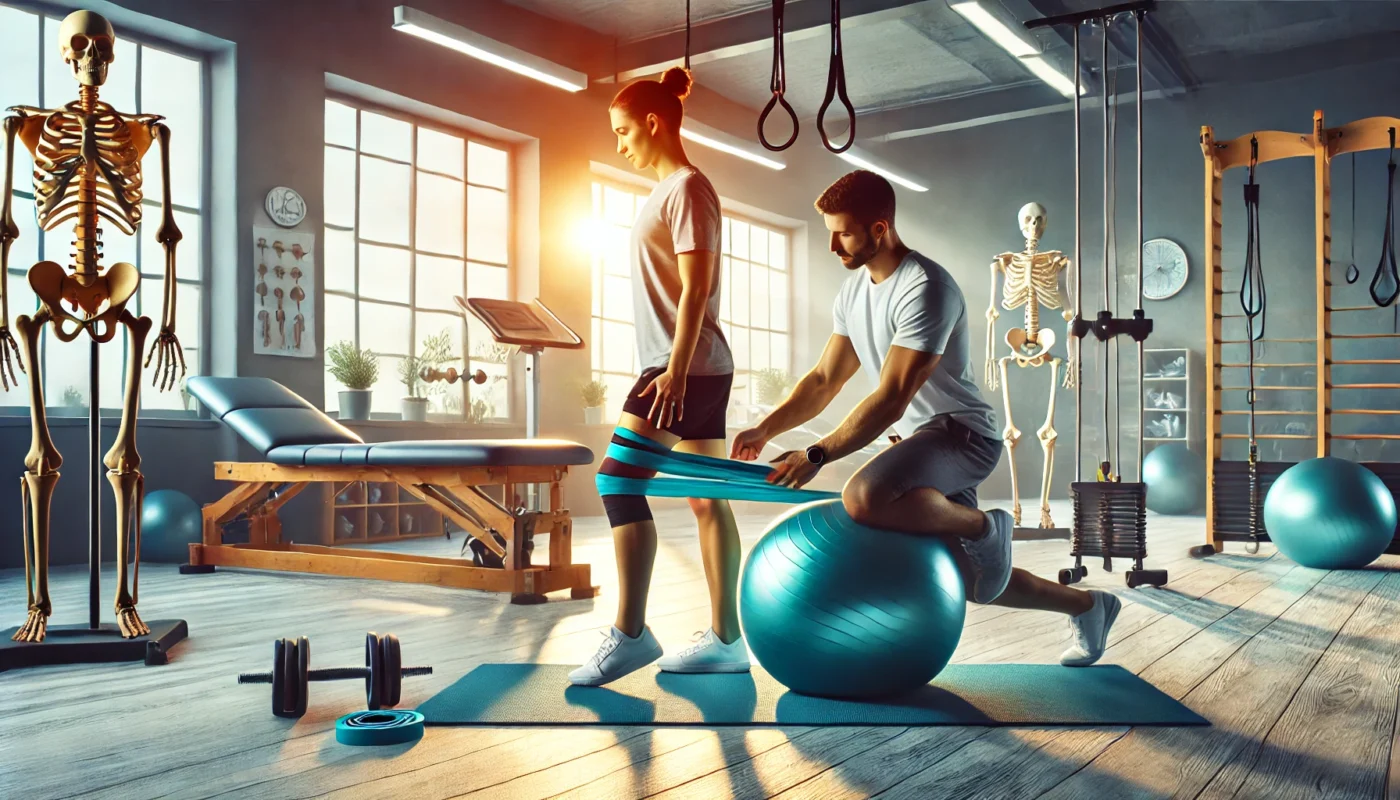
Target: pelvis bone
(1027,352)
(101,298)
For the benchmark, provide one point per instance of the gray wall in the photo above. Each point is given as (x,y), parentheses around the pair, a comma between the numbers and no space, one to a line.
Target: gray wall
(982,176)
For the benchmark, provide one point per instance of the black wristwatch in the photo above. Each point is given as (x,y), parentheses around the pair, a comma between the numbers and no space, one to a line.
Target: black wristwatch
(816,454)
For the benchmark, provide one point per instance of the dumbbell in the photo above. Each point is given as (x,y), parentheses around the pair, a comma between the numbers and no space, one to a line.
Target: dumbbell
(383,674)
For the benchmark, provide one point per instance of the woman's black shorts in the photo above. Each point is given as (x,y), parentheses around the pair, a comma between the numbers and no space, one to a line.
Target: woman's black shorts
(706,404)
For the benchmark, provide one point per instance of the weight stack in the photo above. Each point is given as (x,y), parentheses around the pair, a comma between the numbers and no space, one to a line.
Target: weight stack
(1231,512)
(1110,520)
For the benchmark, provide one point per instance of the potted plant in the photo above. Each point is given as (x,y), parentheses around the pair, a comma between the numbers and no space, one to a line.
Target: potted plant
(357,370)
(594,394)
(772,385)
(435,352)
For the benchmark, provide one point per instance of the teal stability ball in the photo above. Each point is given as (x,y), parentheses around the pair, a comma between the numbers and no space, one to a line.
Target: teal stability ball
(1175,478)
(1330,513)
(170,522)
(835,609)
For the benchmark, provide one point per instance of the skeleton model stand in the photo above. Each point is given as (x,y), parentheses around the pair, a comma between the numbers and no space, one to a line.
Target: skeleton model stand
(87,168)
(1031,279)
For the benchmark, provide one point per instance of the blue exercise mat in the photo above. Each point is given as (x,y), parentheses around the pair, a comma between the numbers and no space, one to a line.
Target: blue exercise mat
(963,694)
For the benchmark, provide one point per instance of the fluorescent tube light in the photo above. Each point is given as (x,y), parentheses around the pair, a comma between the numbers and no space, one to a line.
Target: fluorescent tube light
(864,160)
(703,134)
(1006,39)
(447,34)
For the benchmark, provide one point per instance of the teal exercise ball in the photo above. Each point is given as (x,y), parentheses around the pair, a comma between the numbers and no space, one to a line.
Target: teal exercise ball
(170,523)
(1330,513)
(1175,478)
(835,609)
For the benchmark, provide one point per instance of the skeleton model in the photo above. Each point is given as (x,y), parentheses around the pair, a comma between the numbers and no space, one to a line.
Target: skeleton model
(87,168)
(1031,280)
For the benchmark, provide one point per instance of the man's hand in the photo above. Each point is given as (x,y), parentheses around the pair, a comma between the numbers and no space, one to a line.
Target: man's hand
(748,444)
(668,407)
(793,470)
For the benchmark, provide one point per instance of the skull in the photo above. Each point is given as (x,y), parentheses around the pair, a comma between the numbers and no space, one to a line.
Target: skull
(1032,219)
(86,40)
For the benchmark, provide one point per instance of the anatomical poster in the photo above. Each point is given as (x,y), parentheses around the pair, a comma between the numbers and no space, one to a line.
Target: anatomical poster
(284,272)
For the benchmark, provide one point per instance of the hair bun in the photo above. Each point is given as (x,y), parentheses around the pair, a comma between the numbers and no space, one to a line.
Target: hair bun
(677,81)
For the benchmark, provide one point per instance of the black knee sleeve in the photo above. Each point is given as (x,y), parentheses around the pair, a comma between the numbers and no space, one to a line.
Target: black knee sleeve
(624,509)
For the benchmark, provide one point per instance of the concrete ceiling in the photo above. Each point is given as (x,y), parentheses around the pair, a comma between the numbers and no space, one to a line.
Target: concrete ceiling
(915,67)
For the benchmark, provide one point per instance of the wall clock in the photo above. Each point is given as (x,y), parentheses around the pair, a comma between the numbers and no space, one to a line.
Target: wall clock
(1164,268)
(285,207)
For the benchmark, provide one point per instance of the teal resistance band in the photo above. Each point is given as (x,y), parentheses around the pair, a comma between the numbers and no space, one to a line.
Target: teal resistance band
(702,476)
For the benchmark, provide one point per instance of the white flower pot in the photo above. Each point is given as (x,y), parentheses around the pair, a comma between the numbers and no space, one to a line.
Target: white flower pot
(593,415)
(415,409)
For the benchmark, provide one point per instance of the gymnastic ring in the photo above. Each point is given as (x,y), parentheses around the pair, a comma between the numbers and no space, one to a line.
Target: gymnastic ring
(836,85)
(373,728)
(768,109)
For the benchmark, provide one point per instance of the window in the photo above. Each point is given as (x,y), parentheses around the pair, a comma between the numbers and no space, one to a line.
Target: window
(414,217)
(143,79)
(753,308)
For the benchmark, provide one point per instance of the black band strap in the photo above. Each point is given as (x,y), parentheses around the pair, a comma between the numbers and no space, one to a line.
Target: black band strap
(778,84)
(836,85)
(1386,269)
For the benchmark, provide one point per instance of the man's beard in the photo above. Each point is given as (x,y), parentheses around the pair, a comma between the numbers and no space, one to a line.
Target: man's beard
(861,257)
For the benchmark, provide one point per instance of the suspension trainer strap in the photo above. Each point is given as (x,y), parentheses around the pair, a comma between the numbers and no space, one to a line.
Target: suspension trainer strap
(687,35)
(778,84)
(1386,269)
(1353,274)
(836,85)
(1253,301)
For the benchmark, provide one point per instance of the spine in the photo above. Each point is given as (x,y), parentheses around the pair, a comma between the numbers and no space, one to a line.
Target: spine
(87,243)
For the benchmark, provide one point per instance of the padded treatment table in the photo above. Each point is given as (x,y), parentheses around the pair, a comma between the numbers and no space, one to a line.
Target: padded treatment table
(301,445)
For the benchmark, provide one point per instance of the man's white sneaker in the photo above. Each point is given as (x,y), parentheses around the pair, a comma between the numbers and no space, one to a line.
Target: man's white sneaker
(990,558)
(1090,630)
(618,655)
(709,654)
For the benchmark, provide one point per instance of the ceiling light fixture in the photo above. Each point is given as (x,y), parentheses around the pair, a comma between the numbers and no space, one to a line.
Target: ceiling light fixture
(703,134)
(455,37)
(864,160)
(1006,39)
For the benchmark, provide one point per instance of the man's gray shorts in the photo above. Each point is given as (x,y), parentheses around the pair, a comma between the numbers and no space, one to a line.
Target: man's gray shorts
(942,454)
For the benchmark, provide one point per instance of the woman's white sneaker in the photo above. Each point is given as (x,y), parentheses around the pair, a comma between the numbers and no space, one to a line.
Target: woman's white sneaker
(709,654)
(1090,630)
(618,655)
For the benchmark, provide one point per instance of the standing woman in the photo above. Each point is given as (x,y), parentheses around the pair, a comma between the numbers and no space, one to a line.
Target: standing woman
(682,396)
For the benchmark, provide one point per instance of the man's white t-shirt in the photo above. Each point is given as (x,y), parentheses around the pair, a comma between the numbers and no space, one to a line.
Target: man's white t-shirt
(920,307)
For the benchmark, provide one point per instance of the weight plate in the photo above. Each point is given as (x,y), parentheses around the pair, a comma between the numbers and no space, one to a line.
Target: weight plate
(291,681)
(393,676)
(303,668)
(379,727)
(374,662)
(279,648)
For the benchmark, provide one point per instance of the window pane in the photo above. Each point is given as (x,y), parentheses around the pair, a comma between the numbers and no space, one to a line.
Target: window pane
(618,387)
(618,357)
(726,290)
(112,380)
(151,397)
(440,152)
(439,228)
(758,245)
(19,57)
(438,281)
(151,301)
(596,288)
(117,246)
(340,319)
(24,252)
(339,260)
(487,281)
(494,395)
(617,206)
(388,390)
(758,350)
(22,301)
(740,233)
(384,273)
(385,136)
(758,296)
(340,124)
(778,300)
(488,231)
(340,187)
(171,86)
(617,256)
(724,238)
(384,329)
(777,250)
(782,354)
(66,371)
(596,344)
(488,166)
(739,312)
(432,324)
(383,201)
(187,252)
(739,344)
(617,299)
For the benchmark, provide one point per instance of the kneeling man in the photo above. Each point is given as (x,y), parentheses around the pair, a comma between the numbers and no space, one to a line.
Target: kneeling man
(902,318)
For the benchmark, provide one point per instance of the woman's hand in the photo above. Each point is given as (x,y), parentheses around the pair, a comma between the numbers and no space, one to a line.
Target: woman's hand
(748,444)
(669,403)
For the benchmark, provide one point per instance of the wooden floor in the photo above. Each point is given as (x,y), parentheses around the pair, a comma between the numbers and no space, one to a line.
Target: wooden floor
(1296,669)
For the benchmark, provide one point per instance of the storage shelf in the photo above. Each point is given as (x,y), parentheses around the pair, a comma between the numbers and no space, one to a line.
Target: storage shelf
(1180,386)
(363,512)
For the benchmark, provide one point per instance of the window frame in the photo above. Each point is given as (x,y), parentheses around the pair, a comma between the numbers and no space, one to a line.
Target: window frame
(726,213)
(204,144)
(512,255)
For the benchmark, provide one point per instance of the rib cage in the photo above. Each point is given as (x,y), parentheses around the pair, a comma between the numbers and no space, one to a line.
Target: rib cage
(59,155)
(1032,284)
